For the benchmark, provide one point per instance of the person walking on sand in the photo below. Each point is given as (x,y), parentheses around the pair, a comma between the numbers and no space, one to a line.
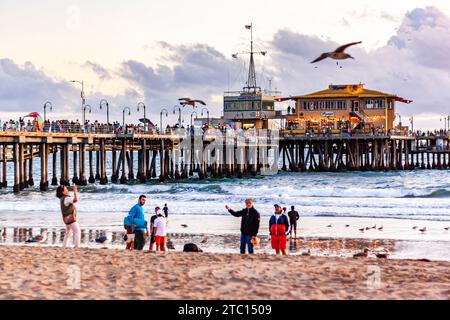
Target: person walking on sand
(160,227)
(166,210)
(138,223)
(69,214)
(152,228)
(278,229)
(249,225)
(293,217)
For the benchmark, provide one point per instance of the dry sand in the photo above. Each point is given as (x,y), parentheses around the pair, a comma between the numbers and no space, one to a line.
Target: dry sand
(53,273)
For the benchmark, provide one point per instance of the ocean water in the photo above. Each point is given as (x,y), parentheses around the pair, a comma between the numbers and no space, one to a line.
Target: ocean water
(407,195)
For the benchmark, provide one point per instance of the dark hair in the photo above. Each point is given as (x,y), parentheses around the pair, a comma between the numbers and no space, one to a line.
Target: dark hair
(60,192)
(142,196)
(292,207)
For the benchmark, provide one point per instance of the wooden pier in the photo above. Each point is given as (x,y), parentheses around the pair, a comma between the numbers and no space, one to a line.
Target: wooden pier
(84,158)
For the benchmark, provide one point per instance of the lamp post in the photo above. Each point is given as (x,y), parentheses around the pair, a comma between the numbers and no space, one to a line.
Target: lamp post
(196,116)
(207,112)
(160,118)
(411,120)
(123,117)
(84,110)
(445,122)
(48,104)
(399,120)
(103,102)
(142,105)
(83,101)
(179,114)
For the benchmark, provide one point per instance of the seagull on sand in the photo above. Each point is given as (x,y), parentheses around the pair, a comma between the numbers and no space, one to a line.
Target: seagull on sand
(446,229)
(380,228)
(364,254)
(205,240)
(347,225)
(329,226)
(362,229)
(423,229)
(337,54)
(39,238)
(184,225)
(415,227)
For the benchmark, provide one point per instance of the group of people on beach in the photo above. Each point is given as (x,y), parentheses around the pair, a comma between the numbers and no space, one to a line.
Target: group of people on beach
(137,229)
(281,224)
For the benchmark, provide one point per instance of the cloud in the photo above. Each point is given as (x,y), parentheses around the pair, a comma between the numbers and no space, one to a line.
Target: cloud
(100,71)
(25,89)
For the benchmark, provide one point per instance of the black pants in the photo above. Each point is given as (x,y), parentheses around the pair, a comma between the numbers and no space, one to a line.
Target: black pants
(139,240)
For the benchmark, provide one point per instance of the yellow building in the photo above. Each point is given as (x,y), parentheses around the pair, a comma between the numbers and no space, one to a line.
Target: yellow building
(344,107)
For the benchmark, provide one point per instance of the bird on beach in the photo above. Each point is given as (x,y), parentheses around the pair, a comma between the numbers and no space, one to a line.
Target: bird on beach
(367,228)
(374,227)
(329,226)
(414,228)
(205,240)
(307,253)
(383,255)
(446,229)
(380,228)
(170,245)
(347,225)
(101,239)
(363,254)
(184,225)
(39,238)
(337,54)
(362,229)
(423,229)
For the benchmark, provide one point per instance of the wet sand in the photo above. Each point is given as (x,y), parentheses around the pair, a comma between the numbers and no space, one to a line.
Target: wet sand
(55,273)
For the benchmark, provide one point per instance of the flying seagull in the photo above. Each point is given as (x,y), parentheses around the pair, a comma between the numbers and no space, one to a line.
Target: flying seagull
(190,102)
(337,54)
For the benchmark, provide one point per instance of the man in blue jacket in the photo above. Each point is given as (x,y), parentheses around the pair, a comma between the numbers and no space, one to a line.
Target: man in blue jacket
(137,219)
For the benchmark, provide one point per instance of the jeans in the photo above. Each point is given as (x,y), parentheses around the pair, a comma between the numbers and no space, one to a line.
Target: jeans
(246,240)
(139,239)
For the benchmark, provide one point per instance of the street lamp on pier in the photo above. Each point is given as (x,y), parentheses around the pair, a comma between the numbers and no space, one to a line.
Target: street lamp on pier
(196,116)
(399,120)
(83,100)
(103,102)
(179,114)
(142,105)
(48,104)
(207,112)
(160,118)
(123,117)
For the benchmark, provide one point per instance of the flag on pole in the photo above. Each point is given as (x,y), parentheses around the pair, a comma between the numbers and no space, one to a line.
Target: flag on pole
(248,26)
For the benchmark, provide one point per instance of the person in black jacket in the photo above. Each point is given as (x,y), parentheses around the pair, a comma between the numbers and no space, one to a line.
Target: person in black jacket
(249,224)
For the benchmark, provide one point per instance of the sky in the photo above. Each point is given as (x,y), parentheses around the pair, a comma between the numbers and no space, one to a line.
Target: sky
(159,51)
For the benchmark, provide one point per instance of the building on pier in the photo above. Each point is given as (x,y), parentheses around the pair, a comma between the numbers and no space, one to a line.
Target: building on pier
(349,106)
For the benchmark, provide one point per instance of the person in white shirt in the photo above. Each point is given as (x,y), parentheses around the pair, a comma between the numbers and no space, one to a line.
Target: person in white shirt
(160,227)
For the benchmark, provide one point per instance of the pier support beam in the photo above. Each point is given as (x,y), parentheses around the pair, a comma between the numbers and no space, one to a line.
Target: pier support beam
(44,167)
(123,178)
(82,181)
(16,186)
(54,165)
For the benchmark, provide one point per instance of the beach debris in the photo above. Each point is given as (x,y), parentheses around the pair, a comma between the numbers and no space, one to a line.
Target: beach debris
(205,240)
(191,247)
(337,54)
(39,238)
(306,253)
(101,239)
(380,228)
(170,245)
(184,225)
(415,227)
(423,229)
(363,254)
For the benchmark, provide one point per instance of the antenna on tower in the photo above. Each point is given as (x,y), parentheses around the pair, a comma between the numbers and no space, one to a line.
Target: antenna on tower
(251,85)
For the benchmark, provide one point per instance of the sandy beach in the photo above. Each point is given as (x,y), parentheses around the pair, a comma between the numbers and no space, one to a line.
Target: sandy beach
(56,273)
